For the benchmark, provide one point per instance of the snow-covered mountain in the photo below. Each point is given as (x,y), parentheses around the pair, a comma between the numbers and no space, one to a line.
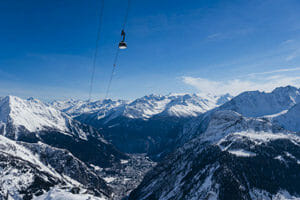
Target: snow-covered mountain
(240,148)
(32,121)
(279,106)
(77,107)
(82,162)
(235,158)
(146,125)
(29,170)
(31,115)
(176,105)
(179,105)
(258,104)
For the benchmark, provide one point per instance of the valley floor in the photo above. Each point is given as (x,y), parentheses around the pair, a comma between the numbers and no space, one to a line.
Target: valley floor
(127,176)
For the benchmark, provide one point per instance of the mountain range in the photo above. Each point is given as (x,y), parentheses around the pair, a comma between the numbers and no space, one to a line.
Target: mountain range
(149,124)
(246,149)
(206,147)
(60,153)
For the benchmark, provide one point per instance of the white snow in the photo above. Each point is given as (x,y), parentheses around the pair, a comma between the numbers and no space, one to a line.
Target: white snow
(13,148)
(280,158)
(179,105)
(261,136)
(31,114)
(97,168)
(14,179)
(78,107)
(259,104)
(276,114)
(109,179)
(257,194)
(59,194)
(242,153)
(124,161)
(292,157)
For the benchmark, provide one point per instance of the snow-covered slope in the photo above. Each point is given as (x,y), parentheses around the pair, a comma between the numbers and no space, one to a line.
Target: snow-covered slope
(77,107)
(31,114)
(258,104)
(25,174)
(279,106)
(59,194)
(32,121)
(178,105)
(282,106)
(289,119)
(235,158)
(77,153)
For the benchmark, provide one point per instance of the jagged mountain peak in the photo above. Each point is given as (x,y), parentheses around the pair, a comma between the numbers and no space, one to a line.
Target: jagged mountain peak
(31,114)
(179,105)
(33,121)
(258,104)
(225,122)
(173,104)
(284,89)
(78,107)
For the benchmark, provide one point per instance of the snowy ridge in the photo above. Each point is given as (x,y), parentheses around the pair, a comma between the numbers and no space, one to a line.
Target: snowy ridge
(78,107)
(59,194)
(31,120)
(179,105)
(11,147)
(259,104)
(281,106)
(31,114)
(19,117)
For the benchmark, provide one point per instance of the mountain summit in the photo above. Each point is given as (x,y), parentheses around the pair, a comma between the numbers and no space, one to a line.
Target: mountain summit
(32,121)
(31,115)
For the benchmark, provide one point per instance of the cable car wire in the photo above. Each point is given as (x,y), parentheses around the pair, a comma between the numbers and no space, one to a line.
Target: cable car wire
(126,15)
(112,73)
(117,53)
(96,49)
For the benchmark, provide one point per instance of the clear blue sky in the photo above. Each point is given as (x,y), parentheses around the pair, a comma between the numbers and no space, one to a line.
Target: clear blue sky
(46,47)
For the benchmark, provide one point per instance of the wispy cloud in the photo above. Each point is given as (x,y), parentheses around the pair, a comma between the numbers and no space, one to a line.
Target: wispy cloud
(214,36)
(287,42)
(292,45)
(230,34)
(293,55)
(276,71)
(236,86)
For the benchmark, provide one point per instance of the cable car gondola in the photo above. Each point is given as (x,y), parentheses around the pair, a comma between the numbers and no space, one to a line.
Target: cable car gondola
(122,44)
